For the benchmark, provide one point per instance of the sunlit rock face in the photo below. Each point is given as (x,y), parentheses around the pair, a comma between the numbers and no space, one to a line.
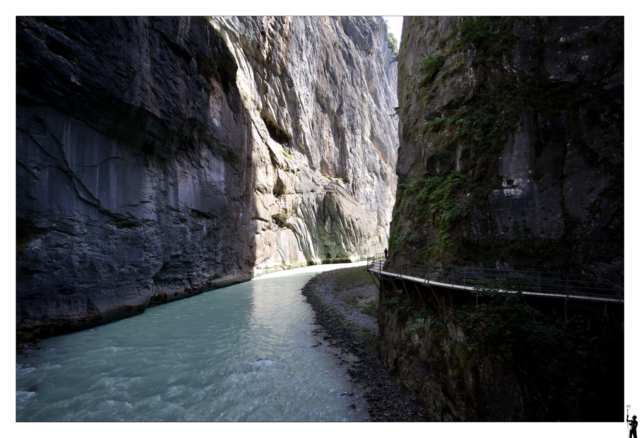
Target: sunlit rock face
(511,143)
(320,91)
(160,157)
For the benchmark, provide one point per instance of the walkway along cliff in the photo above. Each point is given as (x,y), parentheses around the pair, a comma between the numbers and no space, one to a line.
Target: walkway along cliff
(161,157)
(511,157)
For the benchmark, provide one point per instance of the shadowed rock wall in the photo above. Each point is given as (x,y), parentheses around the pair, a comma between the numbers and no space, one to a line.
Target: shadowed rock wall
(133,168)
(511,156)
(511,143)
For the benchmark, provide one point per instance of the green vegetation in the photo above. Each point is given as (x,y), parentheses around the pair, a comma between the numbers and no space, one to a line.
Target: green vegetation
(350,278)
(458,68)
(352,301)
(527,250)
(442,200)
(393,43)
(442,41)
(286,154)
(554,350)
(432,218)
(483,125)
(430,67)
(490,36)
(371,308)
(397,239)
(439,197)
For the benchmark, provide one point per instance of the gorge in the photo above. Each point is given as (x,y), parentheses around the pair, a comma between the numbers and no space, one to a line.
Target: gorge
(158,158)
(161,157)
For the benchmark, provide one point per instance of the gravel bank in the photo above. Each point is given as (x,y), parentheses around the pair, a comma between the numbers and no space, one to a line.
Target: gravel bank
(345,303)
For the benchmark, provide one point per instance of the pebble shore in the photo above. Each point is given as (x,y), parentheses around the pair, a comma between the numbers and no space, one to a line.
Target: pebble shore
(355,334)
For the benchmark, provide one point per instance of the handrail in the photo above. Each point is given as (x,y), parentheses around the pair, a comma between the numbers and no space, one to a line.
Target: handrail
(540,283)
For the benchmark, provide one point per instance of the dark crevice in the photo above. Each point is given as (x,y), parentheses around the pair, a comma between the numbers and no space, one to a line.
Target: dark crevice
(277,134)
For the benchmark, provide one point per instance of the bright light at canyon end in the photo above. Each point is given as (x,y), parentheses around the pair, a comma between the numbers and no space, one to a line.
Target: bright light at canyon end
(394,26)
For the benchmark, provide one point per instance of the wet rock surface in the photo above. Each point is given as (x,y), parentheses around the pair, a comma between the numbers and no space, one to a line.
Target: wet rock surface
(386,398)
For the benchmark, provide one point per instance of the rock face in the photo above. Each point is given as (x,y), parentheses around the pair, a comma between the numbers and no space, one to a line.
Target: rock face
(504,360)
(511,143)
(320,91)
(150,167)
(511,155)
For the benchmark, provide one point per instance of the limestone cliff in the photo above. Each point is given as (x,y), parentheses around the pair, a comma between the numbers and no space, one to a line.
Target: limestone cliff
(511,143)
(320,91)
(155,161)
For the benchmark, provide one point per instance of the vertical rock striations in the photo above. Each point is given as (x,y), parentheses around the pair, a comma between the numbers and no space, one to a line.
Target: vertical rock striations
(155,161)
(133,168)
(320,91)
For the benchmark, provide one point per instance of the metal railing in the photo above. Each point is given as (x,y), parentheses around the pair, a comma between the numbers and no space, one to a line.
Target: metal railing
(552,284)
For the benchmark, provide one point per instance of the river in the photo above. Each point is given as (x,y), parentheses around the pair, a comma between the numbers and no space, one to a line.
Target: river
(241,353)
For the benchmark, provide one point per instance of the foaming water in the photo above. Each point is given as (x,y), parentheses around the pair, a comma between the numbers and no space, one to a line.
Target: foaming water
(242,353)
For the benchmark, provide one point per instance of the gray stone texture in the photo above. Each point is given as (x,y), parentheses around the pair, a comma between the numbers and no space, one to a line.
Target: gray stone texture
(320,92)
(150,162)
(556,178)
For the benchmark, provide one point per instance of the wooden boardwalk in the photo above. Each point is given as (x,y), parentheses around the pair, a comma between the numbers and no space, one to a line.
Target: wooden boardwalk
(610,294)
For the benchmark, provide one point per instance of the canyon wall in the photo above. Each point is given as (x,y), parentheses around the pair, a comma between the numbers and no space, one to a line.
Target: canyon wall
(320,91)
(511,156)
(496,359)
(156,161)
(511,143)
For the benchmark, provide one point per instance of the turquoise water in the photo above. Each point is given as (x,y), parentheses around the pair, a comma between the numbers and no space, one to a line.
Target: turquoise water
(241,353)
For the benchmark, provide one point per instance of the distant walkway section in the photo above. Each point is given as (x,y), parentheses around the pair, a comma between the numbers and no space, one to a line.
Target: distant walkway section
(477,280)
